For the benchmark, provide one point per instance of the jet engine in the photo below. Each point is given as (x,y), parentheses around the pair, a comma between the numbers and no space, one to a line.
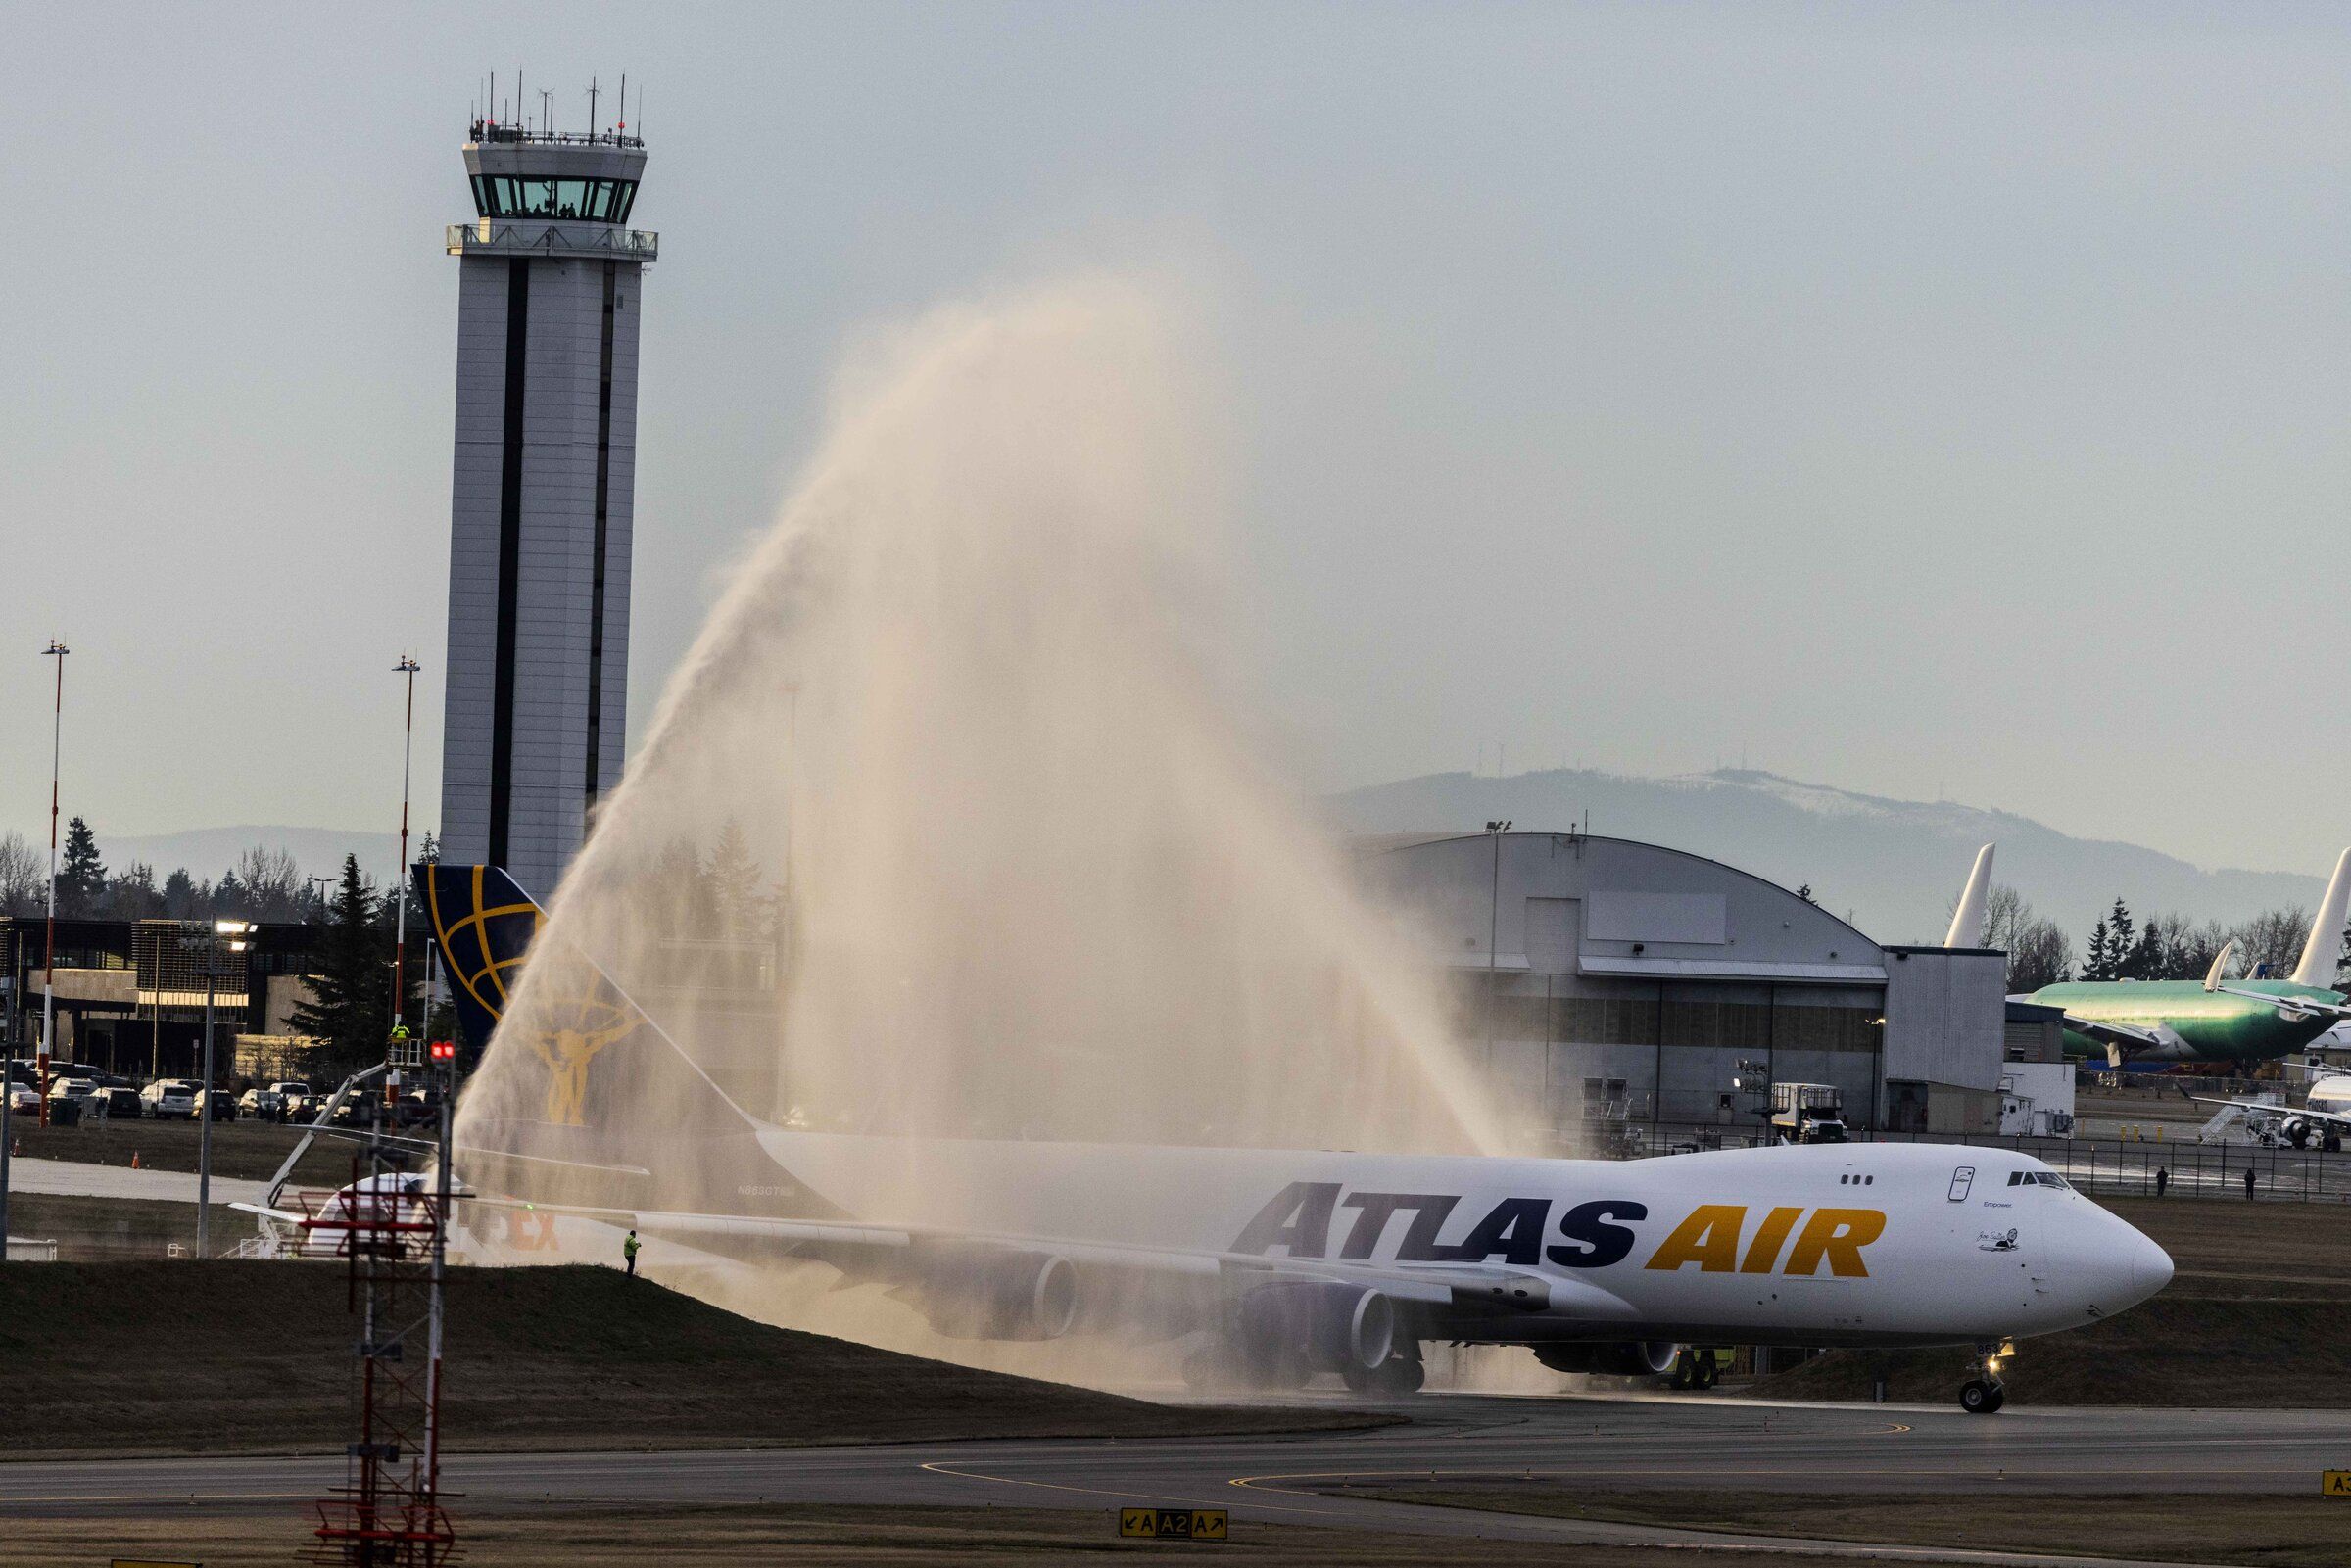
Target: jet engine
(1632,1358)
(1000,1295)
(1331,1327)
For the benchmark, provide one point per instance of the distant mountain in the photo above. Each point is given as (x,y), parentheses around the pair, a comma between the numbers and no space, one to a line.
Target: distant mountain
(207,852)
(1896,865)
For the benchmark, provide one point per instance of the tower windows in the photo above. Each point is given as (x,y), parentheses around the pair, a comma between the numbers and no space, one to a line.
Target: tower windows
(595,201)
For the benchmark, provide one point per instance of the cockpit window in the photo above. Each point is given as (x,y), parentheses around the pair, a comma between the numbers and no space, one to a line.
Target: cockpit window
(2037,1178)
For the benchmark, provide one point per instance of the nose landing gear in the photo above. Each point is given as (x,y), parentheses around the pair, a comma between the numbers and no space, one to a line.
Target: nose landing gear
(1985,1393)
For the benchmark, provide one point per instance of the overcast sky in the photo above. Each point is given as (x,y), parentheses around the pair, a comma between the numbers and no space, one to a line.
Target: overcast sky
(1919,399)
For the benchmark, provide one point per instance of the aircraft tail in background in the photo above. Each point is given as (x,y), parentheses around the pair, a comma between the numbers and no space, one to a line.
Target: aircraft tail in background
(1967,920)
(2326,945)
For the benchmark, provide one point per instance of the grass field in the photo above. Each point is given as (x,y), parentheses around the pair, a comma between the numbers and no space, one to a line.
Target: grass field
(2279,1532)
(247,1150)
(803,1536)
(570,1357)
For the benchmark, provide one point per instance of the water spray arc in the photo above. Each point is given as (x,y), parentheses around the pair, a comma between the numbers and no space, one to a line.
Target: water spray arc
(948,825)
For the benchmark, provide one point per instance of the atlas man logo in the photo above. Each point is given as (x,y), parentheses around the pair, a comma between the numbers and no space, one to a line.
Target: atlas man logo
(579,1027)
(1301,1219)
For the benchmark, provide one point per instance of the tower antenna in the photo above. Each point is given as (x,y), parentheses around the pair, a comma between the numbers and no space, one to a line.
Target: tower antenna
(624,100)
(592,119)
(494,98)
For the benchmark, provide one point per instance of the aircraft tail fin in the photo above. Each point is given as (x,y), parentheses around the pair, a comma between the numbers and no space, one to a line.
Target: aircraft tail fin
(2220,964)
(596,1068)
(2326,944)
(1967,920)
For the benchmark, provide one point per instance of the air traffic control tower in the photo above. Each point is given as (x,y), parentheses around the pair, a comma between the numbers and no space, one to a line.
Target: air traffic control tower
(540,504)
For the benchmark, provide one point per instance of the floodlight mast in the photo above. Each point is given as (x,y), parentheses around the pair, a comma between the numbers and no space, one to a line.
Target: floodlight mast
(407,667)
(57,728)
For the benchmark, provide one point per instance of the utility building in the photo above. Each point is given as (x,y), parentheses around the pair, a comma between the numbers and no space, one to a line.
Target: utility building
(1600,980)
(541,497)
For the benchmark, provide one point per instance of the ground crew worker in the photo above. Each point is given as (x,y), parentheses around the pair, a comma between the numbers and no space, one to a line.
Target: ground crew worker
(628,1250)
(2249,1183)
(2163,1179)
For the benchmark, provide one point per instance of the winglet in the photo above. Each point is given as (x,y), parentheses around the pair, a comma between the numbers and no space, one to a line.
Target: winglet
(2326,944)
(1967,920)
(2220,964)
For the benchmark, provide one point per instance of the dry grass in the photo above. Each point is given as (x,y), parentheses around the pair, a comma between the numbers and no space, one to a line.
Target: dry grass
(567,1358)
(2282,1532)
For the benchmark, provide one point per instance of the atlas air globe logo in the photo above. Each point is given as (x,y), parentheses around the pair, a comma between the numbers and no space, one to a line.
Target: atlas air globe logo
(1305,1217)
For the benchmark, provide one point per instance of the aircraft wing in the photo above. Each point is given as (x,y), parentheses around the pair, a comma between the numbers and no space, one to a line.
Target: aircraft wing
(2294,1006)
(2337,1117)
(1458,1285)
(2120,1039)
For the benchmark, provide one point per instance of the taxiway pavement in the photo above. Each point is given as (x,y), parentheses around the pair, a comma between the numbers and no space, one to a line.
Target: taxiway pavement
(1308,1480)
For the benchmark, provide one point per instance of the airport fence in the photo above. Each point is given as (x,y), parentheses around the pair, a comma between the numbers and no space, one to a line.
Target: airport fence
(2109,1168)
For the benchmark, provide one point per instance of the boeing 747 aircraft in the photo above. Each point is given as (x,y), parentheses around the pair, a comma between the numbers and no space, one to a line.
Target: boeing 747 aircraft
(1281,1264)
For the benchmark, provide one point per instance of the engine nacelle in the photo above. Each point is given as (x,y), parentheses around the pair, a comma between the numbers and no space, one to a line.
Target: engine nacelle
(1332,1326)
(1000,1295)
(1632,1358)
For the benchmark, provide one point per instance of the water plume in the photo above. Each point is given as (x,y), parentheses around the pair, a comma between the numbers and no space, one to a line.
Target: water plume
(946,825)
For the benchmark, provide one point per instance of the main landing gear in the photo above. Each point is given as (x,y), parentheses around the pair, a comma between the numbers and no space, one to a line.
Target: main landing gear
(1985,1393)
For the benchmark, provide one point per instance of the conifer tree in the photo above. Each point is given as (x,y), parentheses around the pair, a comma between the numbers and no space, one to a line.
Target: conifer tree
(351,994)
(81,878)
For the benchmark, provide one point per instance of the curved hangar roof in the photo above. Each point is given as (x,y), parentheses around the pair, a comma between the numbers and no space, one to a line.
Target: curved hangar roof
(1571,904)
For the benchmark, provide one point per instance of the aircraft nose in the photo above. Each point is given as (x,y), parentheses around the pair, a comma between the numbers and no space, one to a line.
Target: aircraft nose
(2150,1267)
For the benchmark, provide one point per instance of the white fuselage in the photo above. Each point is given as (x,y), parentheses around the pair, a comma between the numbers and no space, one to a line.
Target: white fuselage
(1855,1243)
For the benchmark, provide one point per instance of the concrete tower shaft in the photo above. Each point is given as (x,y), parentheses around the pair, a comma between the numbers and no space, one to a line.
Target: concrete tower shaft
(542,498)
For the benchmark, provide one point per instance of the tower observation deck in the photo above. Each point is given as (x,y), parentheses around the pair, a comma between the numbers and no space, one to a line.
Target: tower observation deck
(542,497)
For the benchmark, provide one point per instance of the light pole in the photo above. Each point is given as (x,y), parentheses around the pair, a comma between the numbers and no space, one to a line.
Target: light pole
(400,929)
(204,1131)
(57,728)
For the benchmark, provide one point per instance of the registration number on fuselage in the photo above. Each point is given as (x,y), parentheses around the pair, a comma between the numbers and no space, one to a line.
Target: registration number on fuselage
(1306,1217)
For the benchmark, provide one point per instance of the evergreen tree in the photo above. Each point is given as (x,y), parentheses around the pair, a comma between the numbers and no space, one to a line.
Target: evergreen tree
(2122,942)
(351,994)
(2146,959)
(2094,960)
(81,878)
(733,880)
(133,895)
(183,899)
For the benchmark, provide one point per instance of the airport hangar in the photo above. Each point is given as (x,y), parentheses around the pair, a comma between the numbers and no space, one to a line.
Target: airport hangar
(1609,981)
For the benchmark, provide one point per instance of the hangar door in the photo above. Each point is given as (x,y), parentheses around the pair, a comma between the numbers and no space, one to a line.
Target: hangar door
(1551,935)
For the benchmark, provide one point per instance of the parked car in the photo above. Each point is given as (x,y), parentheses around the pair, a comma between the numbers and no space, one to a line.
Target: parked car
(218,1104)
(115,1104)
(24,1100)
(304,1107)
(268,1104)
(170,1097)
(79,1090)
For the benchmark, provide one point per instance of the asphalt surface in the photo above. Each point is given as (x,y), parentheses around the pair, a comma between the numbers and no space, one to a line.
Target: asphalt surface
(1460,1439)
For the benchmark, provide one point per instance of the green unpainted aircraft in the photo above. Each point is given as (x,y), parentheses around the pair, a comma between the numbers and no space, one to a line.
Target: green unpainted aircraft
(2213,1020)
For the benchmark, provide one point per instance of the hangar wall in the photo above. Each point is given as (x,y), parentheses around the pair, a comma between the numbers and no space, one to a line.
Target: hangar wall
(1604,980)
